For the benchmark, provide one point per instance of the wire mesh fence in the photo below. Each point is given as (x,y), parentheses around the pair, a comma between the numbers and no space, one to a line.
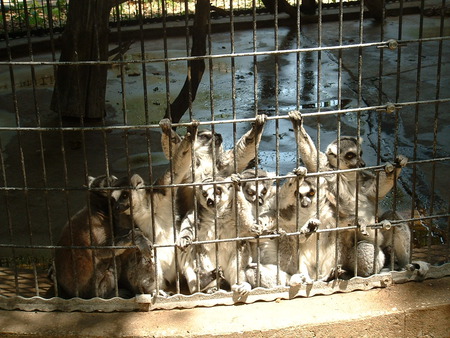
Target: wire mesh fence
(290,136)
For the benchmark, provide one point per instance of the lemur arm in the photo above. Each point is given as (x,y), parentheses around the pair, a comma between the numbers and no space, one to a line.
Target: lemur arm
(387,178)
(186,235)
(248,225)
(306,146)
(144,245)
(245,149)
(287,192)
(286,199)
(181,159)
(170,140)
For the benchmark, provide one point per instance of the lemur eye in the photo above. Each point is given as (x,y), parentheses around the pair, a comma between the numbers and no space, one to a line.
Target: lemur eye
(205,194)
(125,195)
(264,191)
(218,191)
(250,192)
(350,155)
(311,193)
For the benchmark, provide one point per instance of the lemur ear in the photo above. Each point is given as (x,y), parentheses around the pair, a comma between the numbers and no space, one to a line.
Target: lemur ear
(137,181)
(90,180)
(332,149)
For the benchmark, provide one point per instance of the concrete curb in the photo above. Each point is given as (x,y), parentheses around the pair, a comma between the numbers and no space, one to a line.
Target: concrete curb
(410,309)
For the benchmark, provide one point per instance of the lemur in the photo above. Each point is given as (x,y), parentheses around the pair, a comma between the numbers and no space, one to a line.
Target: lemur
(87,273)
(303,209)
(347,201)
(222,202)
(210,157)
(151,207)
(257,192)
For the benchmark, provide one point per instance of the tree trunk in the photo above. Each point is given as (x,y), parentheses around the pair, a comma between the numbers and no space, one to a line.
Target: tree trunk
(79,90)
(196,68)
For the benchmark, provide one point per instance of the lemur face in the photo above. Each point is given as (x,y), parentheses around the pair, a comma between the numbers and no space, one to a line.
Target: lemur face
(99,182)
(214,195)
(100,198)
(306,193)
(256,191)
(349,155)
(206,138)
(129,194)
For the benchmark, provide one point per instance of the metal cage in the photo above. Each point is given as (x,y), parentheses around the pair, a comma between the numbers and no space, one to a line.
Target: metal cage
(347,68)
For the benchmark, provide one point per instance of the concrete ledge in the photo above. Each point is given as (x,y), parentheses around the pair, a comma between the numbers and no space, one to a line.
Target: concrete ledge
(410,309)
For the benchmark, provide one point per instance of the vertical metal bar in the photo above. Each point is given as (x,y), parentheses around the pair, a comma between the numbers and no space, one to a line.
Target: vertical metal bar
(64,160)
(338,176)
(2,160)
(379,133)
(358,128)
(21,155)
(436,116)
(414,197)
(319,98)
(38,120)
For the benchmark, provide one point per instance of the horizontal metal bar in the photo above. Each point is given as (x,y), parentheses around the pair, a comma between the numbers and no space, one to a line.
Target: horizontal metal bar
(228,181)
(235,239)
(217,122)
(218,56)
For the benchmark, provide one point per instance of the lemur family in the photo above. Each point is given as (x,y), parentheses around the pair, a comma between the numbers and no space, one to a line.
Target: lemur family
(206,218)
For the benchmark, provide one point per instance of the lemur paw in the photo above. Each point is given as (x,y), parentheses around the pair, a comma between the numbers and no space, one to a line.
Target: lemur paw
(300,171)
(335,272)
(419,266)
(306,231)
(362,226)
(260,120)
(389,168)
(312,225)
(296,117)
(257,229)
(145,246)
(165,125)
(160,293)
(183,242)
(191,133)
(299,279)
(235,179)
(281,232)
(242,289)
(401,161)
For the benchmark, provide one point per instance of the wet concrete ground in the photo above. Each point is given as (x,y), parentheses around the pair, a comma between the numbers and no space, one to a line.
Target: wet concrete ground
(55,160)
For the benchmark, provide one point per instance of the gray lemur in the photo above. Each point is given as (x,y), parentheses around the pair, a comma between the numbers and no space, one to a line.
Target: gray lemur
(151,207)
(87,273)
(258,192)
(210,158)
(222,202)
(299,200)
(371,190)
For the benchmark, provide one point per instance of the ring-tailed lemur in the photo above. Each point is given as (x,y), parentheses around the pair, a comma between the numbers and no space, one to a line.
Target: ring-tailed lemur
(88,273)
(222,202)
(210,157)
(151,208)
(299,201)
(349,201)
(257,192)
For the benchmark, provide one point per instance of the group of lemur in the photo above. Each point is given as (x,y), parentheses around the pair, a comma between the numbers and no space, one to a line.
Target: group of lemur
(210,231)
